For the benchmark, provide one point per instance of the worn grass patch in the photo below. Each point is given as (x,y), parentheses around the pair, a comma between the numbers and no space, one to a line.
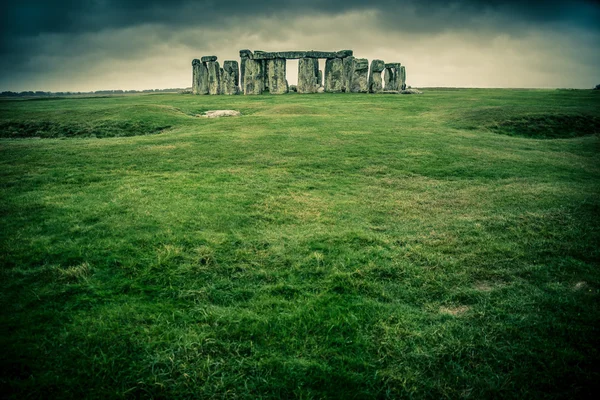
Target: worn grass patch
(327,246)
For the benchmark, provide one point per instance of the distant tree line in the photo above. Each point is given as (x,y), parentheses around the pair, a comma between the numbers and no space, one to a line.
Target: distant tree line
(40,93)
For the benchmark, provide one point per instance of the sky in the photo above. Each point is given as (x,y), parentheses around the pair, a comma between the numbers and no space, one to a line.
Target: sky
(86,45)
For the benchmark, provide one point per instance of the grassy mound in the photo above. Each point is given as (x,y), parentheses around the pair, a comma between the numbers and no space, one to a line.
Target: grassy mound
(549,126)
(97,129)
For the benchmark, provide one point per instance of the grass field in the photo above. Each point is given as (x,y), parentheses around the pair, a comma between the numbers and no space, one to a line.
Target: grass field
(444,245)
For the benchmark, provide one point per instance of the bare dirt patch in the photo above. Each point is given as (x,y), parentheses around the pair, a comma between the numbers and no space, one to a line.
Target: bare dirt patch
(456,311)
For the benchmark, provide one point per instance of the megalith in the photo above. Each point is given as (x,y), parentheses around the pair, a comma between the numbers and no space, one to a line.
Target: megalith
(276,74)
(375,84)
(348,65)
(402,78)
(244,55)
(360,76)
(320,78)
(308,71)
(230,78)
(199,77)
(253,77)
(214,77)
(334,75)
(391,78)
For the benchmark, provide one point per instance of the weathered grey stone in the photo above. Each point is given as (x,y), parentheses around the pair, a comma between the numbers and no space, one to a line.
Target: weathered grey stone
(377,66)
(391,77)
(230,78)
(246,54)
(402,78)
(395,77)
(348,64)
(263,55)
(199,77)
(253,77)
(375,85)
(207,59)
(195,75)
(276,76)
(344,53)
(308,70)
(320,78)
(265,75)
(321,89)
(411,91)
(334,75)
(214,77)
(360,76)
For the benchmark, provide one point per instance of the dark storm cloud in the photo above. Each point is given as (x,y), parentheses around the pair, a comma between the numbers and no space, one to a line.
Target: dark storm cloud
(32,17)
(86,43)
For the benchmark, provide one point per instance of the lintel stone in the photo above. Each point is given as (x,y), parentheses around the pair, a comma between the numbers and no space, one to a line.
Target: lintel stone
(263,55)
(208,59)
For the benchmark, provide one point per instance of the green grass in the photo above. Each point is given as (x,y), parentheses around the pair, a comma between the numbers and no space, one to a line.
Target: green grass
(319,246)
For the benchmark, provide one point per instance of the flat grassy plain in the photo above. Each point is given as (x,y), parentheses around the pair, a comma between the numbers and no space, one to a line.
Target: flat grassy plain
(444,245)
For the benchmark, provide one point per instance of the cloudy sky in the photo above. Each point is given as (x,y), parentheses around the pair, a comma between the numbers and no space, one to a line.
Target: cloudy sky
(82,45)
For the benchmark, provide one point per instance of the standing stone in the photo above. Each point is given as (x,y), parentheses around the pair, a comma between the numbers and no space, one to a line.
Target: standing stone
(254,81)
(277,83)
(334,75)
(360,76)
(348,63)
(320,78)
(375,85)
(214,77)
(244,55)
(402,78)
(265,69)
(389,80)
(195,75)
(230,78)
(308,71)
(392,77)
(199,77)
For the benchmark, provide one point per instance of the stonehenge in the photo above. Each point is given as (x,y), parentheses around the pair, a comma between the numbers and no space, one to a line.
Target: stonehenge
(260,72)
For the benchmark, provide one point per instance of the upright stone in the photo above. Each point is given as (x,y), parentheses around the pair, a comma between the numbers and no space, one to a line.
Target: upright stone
(375,85)
(277,83)
(199,77)
(230,78)
(320,78)
(214,77)
(334,75)
(254,81)
(389,79)
(244,55)
(360,76)
(348,63)
(195,75)
(392,77)
(402,78)
(308,71)
(265,69)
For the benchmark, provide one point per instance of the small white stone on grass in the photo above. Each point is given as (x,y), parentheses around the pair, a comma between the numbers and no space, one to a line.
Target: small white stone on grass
(221,113)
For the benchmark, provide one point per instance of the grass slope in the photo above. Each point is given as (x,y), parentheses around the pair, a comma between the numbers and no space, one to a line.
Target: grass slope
(324,246)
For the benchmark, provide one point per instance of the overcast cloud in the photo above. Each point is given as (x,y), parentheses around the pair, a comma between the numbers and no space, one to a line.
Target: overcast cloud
(134,44)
